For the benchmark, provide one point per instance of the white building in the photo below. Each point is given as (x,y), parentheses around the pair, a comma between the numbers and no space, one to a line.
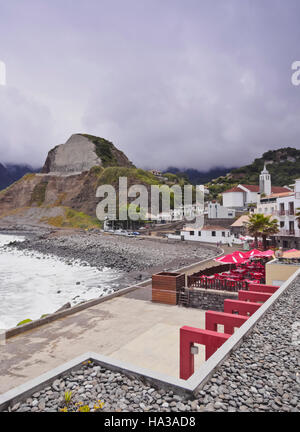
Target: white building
(283,207)
(189,211)
(268,206)
(207,234)
(216,211)
(242,195)
(287,207)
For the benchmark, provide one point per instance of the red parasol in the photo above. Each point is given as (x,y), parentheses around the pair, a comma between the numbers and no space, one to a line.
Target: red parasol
(234,258)
(267,253)
(253,253)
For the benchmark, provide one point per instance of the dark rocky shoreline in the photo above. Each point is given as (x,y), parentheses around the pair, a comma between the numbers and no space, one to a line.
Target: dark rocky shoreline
(136,258)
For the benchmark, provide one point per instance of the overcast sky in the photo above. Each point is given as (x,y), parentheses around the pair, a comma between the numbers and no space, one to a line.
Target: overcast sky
(188,83)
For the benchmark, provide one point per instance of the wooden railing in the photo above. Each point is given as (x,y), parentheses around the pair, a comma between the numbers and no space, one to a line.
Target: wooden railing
(217,284)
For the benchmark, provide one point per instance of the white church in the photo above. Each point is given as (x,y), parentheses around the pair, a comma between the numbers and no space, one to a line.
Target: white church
(240,196)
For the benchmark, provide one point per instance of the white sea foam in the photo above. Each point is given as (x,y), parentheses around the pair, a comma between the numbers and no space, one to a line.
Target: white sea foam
(32,284)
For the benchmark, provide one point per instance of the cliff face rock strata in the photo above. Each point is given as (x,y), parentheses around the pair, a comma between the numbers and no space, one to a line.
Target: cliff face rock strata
(69,180)
(82,152)
(51,190)
(41,192)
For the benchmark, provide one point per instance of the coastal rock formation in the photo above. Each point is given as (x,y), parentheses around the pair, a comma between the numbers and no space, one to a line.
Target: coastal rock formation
(81,152)
(48,191)
(63,194)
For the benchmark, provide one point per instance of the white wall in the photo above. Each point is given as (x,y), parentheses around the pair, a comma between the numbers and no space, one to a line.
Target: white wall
(215,210)
(266,208)
(233,199)
(251,197)
(206,236)
(287,218)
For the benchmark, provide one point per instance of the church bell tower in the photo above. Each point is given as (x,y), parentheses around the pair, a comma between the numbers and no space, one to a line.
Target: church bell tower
(265,182)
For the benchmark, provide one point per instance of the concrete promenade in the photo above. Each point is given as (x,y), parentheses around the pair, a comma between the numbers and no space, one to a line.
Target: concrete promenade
(135,331)
(129,328)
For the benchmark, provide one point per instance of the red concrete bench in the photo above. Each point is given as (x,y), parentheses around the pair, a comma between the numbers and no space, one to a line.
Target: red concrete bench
(263,288)
(230,321)
(240,307)
(190,335)
(253,296)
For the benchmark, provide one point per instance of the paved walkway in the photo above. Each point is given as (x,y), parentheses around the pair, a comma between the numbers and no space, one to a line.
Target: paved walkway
(139,332)
(129,328)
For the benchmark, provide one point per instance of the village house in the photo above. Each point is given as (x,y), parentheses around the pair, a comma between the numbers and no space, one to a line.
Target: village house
(207,234)
(216,211)
(238,227)
(287,205)
(242,195)
(283,207)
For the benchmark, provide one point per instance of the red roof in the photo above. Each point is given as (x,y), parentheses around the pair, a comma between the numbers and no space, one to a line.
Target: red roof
(234,189)
(251,188)
(255,188)
(279,189)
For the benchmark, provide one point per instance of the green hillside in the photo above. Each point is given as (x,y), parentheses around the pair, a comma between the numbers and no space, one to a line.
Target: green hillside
(283,165)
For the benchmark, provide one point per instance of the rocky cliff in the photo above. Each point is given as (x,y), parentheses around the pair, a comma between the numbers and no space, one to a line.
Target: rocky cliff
(82,152)
(64,192)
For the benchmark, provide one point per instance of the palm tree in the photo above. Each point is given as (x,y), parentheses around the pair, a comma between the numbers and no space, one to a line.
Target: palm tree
(254,225)
(260,225)
(271,228)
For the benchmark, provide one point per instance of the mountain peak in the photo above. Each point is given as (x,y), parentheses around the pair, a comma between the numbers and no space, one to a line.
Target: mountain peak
(81,152)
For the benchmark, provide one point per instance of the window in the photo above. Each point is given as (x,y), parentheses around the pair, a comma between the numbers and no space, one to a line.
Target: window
(291,208)
(281,209)
(192,233)
(199,233)
(223,233)
(281,224)
(213,233)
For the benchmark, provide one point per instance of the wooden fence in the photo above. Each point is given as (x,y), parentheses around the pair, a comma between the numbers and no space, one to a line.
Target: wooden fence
(216,284)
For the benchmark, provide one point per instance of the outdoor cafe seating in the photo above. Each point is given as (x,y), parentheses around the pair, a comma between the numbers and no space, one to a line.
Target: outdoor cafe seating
(243,269)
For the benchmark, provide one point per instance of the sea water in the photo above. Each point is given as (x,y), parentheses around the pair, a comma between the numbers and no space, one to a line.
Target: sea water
(33,284)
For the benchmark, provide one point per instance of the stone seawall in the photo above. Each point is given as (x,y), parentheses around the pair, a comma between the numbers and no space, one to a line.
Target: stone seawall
(207,299)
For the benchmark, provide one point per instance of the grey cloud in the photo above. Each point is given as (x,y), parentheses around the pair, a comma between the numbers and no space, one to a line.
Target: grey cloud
(193,84)
(25,128)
